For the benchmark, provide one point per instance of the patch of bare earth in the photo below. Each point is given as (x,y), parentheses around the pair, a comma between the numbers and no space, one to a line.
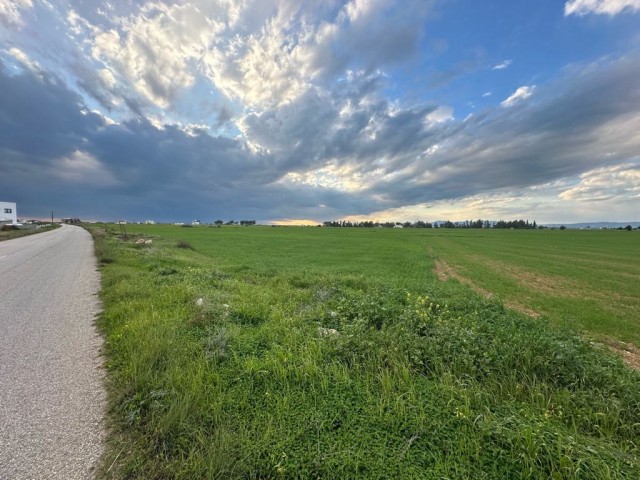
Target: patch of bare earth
(629,352)
(444,272)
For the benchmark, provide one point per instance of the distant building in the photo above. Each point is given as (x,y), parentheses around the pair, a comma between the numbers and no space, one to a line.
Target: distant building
(150,222)
(71,221)
(398,226)
(8,213)
(195,223)
(121,222)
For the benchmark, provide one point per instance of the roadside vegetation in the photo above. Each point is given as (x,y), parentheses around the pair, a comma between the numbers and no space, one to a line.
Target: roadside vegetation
(7,232)
(101,244)
(259,352)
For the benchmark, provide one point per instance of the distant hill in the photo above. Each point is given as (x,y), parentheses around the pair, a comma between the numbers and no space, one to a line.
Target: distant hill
(594,225)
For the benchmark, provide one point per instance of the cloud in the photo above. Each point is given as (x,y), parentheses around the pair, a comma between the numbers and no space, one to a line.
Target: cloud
(152,50)
(341,144)
(606,7)
(261,54)
(106,170)
(502,65)
(520,94)
(11,12)
(618,181)
(305,45)
(24,59)
(82,168)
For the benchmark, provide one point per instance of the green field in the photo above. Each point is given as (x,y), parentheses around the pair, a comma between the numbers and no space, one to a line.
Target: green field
(266,352)
(589,280)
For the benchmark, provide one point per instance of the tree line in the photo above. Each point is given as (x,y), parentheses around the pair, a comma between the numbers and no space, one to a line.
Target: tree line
(233,222)
(515,224)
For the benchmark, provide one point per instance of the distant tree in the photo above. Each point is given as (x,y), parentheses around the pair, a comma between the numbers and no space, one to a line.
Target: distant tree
(628,228)
(218,223)
(562,227)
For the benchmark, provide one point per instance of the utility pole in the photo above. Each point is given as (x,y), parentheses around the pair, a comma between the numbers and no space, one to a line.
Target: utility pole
(52,217)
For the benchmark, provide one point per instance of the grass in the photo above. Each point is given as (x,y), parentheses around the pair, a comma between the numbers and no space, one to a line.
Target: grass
(101,245)
(584,279)
(328,353)
(8,234)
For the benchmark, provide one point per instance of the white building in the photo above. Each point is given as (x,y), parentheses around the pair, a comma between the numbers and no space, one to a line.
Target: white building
(8,213)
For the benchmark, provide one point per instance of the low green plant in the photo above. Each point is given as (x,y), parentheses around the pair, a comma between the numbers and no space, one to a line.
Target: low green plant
(226,366)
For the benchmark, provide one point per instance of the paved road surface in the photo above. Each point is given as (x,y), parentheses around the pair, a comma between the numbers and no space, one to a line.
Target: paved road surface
(52,398)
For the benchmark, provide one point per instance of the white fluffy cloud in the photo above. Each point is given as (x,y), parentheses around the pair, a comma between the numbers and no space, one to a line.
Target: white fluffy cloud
(619,181)
(261,53)
(11,11)
(153,50)
(607,7)
(24,59)
(521,93)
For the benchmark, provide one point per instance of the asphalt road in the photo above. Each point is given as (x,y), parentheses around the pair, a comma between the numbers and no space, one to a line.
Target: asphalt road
(52,398)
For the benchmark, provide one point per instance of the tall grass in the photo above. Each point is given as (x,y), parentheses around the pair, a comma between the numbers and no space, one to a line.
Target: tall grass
(102,248)
(223,368)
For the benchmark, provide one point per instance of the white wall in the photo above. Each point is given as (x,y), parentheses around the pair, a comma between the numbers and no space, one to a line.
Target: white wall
(8,212)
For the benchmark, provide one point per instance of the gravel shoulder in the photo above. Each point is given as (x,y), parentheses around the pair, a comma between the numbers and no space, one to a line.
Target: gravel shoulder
(52,400)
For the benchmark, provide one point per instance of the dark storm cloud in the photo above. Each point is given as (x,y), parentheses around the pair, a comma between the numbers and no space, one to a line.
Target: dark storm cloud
(40,117)
(55,154)
(163,173)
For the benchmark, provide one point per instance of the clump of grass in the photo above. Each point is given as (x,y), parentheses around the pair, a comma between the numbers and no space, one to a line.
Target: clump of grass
(184,244)
(101,245)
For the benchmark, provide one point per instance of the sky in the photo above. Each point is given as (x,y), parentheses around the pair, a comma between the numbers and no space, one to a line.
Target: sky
(291,111)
